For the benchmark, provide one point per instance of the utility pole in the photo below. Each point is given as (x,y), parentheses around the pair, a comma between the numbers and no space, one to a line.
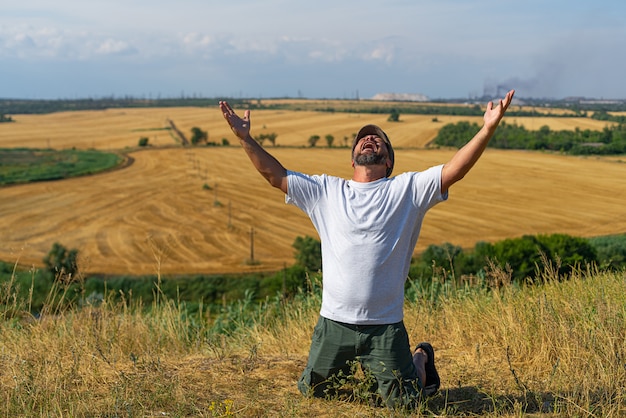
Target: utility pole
(251,245)
(284,280)
(230,225)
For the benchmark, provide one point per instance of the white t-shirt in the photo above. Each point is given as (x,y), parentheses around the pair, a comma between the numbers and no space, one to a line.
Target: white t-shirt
(368,233)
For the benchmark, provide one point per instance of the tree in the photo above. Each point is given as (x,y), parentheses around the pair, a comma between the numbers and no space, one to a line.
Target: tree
(313,140)
(611,251)
(60,261)
(272,138)
(447,260)
(329,140)
(394,116)
(269,136)
(529,255)
(308,252)
(4,118)
(143,141)
(568,252)
(198,136)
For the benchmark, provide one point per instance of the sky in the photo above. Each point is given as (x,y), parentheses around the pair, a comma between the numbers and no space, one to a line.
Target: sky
(444,49)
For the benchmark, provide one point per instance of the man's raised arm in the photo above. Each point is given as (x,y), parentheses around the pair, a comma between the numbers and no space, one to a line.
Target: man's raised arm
(266,164)
(466,157)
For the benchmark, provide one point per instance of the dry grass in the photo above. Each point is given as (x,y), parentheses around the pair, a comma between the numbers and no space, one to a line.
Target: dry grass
(157,209)
(556,349)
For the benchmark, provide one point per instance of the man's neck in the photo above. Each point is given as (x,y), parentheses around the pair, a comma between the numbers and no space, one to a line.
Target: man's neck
(368,173)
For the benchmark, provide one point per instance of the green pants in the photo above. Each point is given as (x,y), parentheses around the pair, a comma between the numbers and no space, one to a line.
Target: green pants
(383,350)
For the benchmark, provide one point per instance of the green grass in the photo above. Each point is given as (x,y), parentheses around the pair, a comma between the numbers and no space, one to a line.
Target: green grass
(25,165)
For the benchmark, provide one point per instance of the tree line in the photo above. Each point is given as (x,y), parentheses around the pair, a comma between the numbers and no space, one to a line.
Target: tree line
(451,110)
(523,259)
(604,115)
(532,107)
(609,141)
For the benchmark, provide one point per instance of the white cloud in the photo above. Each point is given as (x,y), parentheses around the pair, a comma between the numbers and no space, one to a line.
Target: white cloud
(384,53)
(115,47)
(197,40)
(21,41)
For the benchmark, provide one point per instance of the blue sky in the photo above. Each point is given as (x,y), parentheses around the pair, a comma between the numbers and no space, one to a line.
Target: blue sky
(317,49)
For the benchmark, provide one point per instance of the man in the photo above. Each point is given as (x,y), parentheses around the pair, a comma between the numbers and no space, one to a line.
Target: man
(368,227)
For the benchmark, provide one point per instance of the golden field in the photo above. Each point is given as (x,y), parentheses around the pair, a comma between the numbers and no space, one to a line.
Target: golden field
(155,213)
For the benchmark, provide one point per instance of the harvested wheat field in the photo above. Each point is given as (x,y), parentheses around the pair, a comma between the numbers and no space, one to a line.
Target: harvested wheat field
(115,129)
(194,209)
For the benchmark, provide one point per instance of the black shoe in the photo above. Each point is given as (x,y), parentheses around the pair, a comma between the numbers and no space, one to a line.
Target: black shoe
(431,386)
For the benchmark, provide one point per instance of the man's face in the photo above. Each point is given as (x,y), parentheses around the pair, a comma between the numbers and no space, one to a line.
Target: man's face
(370,150)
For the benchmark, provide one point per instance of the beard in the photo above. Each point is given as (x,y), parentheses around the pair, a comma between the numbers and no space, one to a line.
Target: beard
(370,159)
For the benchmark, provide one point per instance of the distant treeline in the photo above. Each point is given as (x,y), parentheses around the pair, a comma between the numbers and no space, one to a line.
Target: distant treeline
(452,107)
(474,110)
(27,107)
(609,141)
(604,115)
(411,108)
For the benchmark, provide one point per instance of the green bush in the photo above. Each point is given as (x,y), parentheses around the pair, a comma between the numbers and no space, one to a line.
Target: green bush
(287,282)
(198,136)
(609,141)
(61,262)
(394,116)
(611,251)
(308,252)
(525,256)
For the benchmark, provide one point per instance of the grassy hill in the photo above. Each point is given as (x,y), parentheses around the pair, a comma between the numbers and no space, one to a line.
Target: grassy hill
(554,349)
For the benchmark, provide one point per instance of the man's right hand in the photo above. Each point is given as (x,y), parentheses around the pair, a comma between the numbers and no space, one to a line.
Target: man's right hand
(241,127)
(266,164)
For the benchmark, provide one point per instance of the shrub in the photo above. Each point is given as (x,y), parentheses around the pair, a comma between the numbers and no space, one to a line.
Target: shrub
(61,262)
(525,257)
(394,116)
(286,282)
(198,136)
(611,251)
(308,252)
(313,140)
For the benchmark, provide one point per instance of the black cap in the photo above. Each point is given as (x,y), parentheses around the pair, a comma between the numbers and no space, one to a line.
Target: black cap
(375,130)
